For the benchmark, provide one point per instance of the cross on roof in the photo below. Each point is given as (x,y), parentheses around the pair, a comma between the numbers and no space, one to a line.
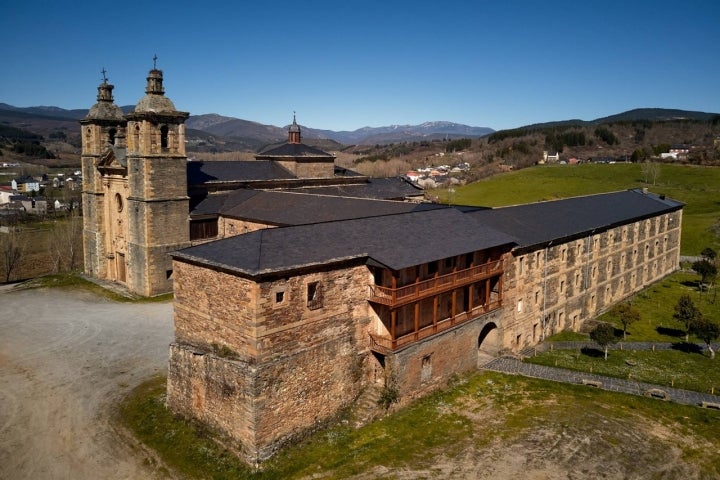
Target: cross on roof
(155,62)
(104,77)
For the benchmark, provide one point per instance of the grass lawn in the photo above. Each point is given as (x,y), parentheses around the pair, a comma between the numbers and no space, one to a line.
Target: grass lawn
(482,414)
(656,305)
(697,187)
(690,371)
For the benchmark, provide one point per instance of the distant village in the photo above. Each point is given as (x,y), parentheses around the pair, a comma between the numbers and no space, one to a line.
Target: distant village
(26,194)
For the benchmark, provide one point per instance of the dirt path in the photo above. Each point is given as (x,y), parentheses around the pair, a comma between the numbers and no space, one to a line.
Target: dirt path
(66,358)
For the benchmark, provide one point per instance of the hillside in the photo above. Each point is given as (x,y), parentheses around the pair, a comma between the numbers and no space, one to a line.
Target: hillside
(634,135)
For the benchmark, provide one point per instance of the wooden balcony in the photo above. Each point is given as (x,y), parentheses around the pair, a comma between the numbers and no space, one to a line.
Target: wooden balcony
(386,345)
(395,297)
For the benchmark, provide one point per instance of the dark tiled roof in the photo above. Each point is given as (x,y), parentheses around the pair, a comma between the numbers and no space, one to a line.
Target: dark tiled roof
(210,205)
(543,222)
(396,241)
(285,208)
(201,171)
(294,150)
(378,188)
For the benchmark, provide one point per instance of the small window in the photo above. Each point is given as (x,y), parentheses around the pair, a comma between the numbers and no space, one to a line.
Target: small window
(520,265)
(562,286)
(314,295)
(426,370)
(432,268)
(519,306)
(537,296)
(449,262)
(118,202)
(279,296)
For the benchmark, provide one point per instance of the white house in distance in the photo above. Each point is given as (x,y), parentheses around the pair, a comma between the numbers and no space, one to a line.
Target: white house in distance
(25,184)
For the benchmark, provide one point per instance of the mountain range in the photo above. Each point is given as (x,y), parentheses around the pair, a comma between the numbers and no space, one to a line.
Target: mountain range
(229,133)
(252,134)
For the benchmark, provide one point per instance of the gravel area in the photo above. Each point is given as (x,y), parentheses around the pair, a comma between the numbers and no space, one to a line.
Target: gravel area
(66,359)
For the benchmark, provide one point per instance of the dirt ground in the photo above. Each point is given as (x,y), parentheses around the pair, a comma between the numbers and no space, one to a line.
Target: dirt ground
(66,359)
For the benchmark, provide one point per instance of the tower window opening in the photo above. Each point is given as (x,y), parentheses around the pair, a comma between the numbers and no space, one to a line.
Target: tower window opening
(111,136)
(164,136)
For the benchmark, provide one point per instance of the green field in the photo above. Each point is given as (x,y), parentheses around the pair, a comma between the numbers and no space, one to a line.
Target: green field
(697,187)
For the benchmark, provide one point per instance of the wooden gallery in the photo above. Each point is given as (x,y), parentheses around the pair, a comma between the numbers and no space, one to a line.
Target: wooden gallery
(299,284)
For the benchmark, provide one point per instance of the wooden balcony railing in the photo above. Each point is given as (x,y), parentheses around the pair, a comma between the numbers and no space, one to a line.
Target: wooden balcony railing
(395,297)
(385,344)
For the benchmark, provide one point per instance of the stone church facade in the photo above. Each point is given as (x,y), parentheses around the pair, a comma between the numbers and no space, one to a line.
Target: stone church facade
(135,199)
(299,285)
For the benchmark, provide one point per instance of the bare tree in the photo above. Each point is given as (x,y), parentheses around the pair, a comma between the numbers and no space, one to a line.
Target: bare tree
(651,171)
(65,243)
(12,250)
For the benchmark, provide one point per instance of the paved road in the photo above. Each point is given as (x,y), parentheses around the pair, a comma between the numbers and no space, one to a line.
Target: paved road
(66,360)
(515,366)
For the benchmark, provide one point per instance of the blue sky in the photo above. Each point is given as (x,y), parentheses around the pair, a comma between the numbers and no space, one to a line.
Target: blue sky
(347,64)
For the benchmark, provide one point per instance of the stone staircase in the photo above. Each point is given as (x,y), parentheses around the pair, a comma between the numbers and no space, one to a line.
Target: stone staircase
(366,408)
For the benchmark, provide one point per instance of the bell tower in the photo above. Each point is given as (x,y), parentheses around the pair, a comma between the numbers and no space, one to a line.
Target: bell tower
(101,131)
(157,202)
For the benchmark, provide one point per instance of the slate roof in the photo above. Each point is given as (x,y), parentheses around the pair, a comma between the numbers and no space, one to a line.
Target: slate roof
(395,241)
(201,171)
(543,222)
(378,188)
(294,150)
(285,208)
(407,239)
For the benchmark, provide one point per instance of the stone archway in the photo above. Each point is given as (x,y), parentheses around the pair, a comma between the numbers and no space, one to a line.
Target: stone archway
(489,342)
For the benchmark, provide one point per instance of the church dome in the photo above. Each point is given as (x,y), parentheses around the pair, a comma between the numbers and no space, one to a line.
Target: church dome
(105,109)
(155,100)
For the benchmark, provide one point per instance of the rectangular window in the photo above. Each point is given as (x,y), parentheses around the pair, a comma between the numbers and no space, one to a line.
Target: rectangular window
(562,286)
(426,370)
(432,268)
(519,306)
(520,265)
(279,296)
(314,295)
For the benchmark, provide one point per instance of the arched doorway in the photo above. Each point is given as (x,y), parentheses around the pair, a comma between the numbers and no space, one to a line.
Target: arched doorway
(489,343)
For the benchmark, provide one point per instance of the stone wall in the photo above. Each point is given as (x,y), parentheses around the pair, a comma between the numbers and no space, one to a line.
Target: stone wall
(299,344)
(229,227)
(560,287)
(321,169)
(430,363)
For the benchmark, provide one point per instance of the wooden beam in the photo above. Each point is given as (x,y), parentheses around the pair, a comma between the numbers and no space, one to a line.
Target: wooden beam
(417,319)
